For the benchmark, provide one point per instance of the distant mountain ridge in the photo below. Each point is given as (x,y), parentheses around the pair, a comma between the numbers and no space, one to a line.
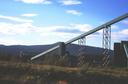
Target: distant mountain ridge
(36,49)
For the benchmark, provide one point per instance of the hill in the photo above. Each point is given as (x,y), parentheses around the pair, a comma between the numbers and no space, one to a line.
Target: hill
(76,54)
(73,49)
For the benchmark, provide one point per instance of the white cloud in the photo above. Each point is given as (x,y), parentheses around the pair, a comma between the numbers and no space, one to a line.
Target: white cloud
(16,33)
(114,27)
(16,19)
(120,35)
(28,29)
(48,34)
(125,22)
(71,2)
(74,12)
(80,27)
(53,35)
(124,32)
(15,29)
(35,1)
(14,41)
(10,41)
(29,15)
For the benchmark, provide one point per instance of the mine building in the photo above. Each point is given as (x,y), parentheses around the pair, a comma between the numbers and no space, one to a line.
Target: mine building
(120,58)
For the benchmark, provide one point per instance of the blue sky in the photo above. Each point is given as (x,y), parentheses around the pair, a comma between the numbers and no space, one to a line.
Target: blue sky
(38,22)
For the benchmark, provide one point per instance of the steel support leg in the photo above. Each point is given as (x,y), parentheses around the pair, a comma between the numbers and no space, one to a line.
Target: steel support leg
(82,58)
(106,45)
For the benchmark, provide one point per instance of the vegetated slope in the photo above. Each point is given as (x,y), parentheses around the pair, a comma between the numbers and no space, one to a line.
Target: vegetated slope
(89,50)
(77,55)
(73,49)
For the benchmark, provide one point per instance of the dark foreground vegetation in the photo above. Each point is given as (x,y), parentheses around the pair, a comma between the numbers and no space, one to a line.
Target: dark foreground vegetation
(72,68)
(29,73)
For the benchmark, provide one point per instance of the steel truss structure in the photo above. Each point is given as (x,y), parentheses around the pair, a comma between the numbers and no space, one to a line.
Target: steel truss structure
(106,44)
(106,38)
(81,42)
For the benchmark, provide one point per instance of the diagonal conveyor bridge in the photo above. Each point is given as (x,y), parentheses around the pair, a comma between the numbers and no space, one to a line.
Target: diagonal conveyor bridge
(103,26)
